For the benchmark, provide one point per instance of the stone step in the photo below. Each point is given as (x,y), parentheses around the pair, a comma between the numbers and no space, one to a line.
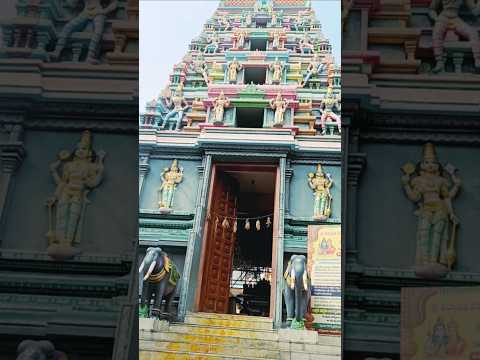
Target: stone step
(223,331)
(215,349)
(230,317)
(178,355)
(171,335)
(229,322)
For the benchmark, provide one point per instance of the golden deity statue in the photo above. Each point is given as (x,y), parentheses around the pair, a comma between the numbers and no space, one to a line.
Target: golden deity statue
(277,69)
(432,187)
(233,67)
(321,183)
(280,106)
(170,178)
(75,174)
(219,105)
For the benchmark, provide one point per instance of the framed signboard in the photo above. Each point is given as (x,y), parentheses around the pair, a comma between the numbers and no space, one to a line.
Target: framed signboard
(325,267)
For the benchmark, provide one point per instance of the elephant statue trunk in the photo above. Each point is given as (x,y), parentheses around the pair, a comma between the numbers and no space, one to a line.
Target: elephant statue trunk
(297,291)
(38,350)
(158,282)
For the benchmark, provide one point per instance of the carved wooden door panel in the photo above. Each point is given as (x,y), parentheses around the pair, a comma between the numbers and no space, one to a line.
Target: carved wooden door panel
(219,247)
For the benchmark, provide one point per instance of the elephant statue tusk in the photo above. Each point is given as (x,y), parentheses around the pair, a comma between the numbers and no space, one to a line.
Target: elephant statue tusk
(149,272)
(142,265)
(305,280)
(292,279)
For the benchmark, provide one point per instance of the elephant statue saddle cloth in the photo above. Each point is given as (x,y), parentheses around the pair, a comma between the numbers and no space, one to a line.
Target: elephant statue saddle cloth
(169,269)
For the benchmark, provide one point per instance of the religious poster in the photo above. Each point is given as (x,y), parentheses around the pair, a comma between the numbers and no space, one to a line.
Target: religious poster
(440,323)
(325,267)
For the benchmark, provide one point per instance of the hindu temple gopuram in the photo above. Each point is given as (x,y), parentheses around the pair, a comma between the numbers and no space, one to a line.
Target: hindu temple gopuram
(410,95)
(239,174)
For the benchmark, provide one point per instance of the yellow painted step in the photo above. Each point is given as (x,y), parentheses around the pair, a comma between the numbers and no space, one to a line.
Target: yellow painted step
(222,331)
(230,323)
(215,349)
(230,317)
(172,355)
(209,339)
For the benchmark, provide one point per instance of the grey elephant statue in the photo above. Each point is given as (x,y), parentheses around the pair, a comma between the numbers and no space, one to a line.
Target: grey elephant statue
(159,278)
(38,350)
(296,291)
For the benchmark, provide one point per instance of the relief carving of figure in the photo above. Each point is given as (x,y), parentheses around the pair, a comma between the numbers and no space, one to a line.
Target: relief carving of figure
(219,105)
(432,187)
(213,44)
(93,13)
(277,69)
(315,67)
(280,106)
(449,19)
(277,42)
(321,183)
(170,178)
(233,67)
(239,37)
(75,174)
(328,103)
(305,45)
(200,66)
(178,106)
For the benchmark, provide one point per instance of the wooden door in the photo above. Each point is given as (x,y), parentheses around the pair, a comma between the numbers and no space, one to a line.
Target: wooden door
(219,247)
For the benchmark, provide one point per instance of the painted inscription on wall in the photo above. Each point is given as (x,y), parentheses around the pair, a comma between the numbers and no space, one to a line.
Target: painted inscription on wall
(325,267)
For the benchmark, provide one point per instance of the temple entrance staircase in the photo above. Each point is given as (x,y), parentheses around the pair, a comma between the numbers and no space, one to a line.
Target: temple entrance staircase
(222,336)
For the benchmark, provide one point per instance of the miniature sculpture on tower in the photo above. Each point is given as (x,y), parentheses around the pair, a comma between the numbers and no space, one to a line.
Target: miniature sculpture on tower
(76,174)
(280,105)
(433,187)
(220,103)
(170,177)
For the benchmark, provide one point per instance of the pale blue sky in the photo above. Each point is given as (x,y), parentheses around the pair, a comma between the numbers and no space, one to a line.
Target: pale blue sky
(167,27)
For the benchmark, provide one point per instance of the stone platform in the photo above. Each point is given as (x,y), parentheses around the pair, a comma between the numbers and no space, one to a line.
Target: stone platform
(221,336)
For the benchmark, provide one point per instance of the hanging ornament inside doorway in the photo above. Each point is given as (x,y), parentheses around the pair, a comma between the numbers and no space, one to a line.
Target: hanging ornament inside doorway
(269,222)
(216,222)
(235,226)
(247,225)
(225,224)
(257,225)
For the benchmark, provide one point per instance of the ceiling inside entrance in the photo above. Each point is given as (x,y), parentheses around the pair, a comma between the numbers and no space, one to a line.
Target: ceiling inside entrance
(255,182)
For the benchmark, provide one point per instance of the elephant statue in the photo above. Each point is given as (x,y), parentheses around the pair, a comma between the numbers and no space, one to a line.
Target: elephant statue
(296,291)
(38,350)
(159,278)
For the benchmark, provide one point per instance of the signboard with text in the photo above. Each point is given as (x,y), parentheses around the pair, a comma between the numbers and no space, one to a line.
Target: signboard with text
(325,267)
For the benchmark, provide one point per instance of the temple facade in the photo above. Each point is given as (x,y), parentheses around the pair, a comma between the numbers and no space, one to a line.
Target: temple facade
(410,114)
(68,140)
(239,154)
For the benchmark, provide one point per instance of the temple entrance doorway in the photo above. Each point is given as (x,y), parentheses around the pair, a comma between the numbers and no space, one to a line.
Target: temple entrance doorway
(238,247)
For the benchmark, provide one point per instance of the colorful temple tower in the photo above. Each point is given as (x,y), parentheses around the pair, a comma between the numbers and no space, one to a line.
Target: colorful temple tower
(239,154)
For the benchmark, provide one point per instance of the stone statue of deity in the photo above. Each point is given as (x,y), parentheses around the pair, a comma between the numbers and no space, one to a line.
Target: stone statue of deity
(200,66)
(233,67)
(170,178)
(315,67)
(328,103)
(239,37)
(321,183)
(277,41)
(93,13)
(305,45)
(178,106)
(277,69)
(76,174)
(432,187)
(213,44)
(280,105)
(449,19)
(219,105)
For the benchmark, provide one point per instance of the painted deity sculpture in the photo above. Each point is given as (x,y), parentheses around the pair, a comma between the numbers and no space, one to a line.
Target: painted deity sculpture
(296,291)
(200,66)
(277,39)
(449,19)
(158,276)
(432,187)
(328,104)
(280,105)
(93,13)
(239,37)
(213,44)
(277,68)
(171,177)
(315,67)
(219,105)
(178,106)
(321,183)
(263,6)
(305,45)
(233,67)
(76,174)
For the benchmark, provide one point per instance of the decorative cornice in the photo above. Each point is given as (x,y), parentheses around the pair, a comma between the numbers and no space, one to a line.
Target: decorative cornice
(356,165)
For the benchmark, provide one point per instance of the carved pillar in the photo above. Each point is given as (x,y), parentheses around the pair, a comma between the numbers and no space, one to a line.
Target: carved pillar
(143,169)
(12,153)
(280,245)
(288,179)
(193,246)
